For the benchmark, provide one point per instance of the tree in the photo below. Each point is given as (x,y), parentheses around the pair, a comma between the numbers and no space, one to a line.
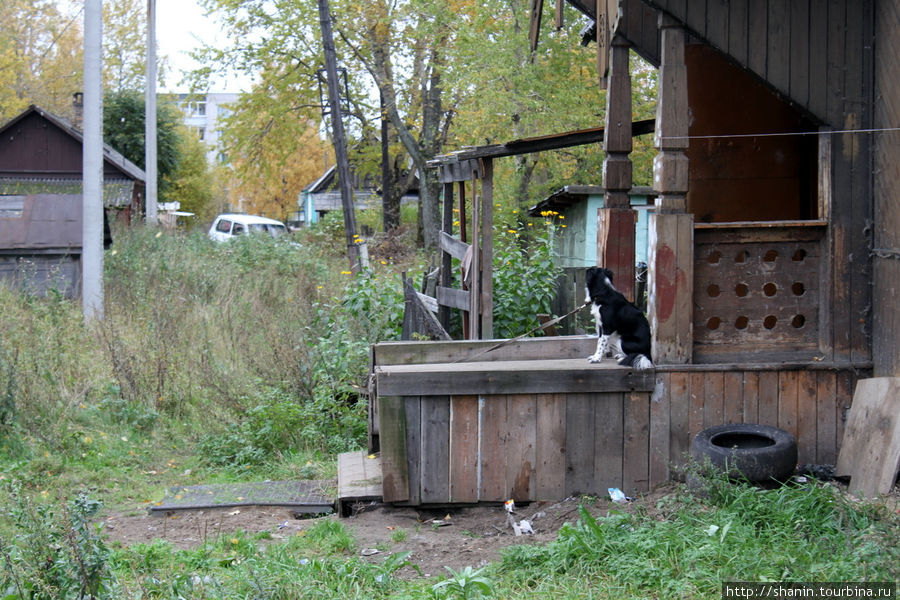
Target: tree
(192,182)
(40,57)
(123,129)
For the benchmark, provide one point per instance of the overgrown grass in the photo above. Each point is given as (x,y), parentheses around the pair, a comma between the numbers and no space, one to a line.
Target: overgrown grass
(213,361)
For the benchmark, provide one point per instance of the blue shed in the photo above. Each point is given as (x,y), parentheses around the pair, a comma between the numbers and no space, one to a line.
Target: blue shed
(577,243)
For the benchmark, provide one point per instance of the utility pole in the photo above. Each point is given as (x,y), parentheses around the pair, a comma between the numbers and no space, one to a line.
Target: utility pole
(150,160)
(356,249)
(92,165)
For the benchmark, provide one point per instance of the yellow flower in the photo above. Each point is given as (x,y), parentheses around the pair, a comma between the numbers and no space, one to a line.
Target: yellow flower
(561,216)
(563,225)
(384,262)
(234,540)
(456,223)
(512,231)
(88,439)
(346,272)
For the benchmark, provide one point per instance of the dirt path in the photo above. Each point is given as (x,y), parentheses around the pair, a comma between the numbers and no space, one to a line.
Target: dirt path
(454,538)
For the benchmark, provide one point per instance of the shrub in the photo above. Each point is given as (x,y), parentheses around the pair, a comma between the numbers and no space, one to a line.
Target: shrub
(523,255)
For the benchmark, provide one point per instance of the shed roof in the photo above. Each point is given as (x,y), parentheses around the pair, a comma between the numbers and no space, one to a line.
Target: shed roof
(110,156)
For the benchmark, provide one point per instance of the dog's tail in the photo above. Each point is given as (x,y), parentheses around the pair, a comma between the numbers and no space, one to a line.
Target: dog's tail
(638,362)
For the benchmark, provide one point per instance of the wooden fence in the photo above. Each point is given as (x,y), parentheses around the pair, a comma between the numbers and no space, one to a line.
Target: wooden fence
(516,425)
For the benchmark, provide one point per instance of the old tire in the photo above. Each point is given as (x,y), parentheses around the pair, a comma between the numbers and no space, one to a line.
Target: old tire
(746,450)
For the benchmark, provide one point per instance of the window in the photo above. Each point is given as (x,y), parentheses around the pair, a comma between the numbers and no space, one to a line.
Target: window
(224,226)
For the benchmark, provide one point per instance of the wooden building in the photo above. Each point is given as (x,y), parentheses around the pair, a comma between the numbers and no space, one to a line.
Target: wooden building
(41,200)
(773,261)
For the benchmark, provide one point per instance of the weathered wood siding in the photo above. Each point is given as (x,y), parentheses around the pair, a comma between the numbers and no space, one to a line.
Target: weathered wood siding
(886,271)
(818,55)
(586,430)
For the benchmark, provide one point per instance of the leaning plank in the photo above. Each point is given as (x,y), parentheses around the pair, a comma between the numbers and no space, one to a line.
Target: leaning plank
(453,246)
(870,453)
(395,473)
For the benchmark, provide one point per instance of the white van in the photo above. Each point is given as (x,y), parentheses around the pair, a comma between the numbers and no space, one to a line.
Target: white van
(227,226)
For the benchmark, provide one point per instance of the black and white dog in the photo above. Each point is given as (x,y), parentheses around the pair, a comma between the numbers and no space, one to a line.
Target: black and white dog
(621,327)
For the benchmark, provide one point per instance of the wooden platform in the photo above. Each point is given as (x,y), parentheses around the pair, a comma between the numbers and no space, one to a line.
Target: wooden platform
(359,480)
(514,424)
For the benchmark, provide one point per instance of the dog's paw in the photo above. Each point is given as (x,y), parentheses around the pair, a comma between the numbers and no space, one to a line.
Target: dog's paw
(595,358)
(619,356)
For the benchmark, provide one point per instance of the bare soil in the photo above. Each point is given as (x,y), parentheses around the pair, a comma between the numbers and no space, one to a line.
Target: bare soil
(437,538)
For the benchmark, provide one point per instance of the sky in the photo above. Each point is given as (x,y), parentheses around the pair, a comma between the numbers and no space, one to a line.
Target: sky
(181,25)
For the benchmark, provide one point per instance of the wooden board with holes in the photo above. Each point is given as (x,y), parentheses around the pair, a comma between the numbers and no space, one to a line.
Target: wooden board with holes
(870,452)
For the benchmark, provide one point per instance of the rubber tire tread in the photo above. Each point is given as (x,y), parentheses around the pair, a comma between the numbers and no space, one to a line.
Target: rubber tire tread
(777,461)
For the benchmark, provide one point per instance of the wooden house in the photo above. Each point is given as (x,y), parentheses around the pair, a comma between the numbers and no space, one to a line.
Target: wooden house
(773,263)
(41,201)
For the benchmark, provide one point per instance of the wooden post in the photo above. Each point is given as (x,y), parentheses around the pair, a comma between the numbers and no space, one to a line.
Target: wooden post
(487,249)
(615,226)
(446,259)
(671,251)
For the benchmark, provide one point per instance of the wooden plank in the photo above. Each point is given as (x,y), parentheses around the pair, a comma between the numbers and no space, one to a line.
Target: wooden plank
(487,249)
(464,449)
(737,31)
(788,384)
(757,49)
(768,398)
(826,418)
(636,462)
(392,427)
(679,392)
(717,23)
(732,395)
(750,394)
(412,410)
(807,417)
(359,476)
(609,446)
(713,402)
(550,447)
(818,53)
(870,453)
(493,449)
(407,353)
(778,63)
(452,246)
(846,383)
(858,114)
(660,427)
(521,413)
(799,51)
(539,377)
(580,436)
(453,298)
(698,402)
